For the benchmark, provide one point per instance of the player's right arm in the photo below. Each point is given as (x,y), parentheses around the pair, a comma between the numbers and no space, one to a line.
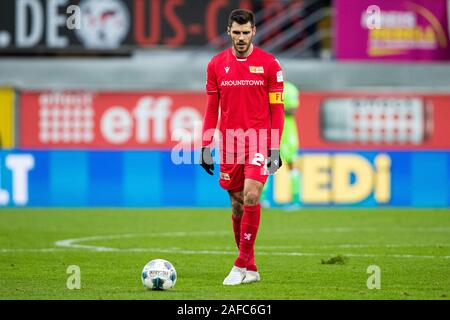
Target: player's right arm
(276,87)
(210,119)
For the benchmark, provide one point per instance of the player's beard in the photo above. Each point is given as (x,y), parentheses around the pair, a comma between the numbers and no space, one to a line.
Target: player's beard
(242,52)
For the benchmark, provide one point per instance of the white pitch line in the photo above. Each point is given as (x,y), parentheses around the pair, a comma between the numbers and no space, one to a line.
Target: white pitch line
(217,252)
(73,244)
(32,250)
(349,245)
(371,230)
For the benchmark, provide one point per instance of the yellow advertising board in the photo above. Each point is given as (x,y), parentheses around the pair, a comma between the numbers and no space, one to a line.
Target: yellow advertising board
(6,118)
(340,178)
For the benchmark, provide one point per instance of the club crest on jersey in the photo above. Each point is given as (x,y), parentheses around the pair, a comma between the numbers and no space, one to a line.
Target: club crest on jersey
(227,69)
(254,69)
(224,176)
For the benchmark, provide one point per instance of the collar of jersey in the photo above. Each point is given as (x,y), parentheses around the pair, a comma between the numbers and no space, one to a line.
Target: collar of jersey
(242,59)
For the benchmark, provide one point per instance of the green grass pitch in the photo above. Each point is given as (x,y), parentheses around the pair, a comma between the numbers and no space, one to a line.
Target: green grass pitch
(304,254)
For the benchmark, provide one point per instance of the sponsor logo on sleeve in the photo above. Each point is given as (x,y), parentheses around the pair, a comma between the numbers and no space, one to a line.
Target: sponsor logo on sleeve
(280,76)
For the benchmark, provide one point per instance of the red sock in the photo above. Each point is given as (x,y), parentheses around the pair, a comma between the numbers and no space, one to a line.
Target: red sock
(249,229)
(251,262)
(237,233)
(236,228)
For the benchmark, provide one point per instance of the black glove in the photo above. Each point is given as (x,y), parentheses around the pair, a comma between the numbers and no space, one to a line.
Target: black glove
(206,160)
(274,161)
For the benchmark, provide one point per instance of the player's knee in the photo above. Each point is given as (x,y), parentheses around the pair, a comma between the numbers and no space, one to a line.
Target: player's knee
(251,198)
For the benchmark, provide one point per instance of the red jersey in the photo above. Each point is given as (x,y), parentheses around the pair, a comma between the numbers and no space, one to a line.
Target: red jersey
(249,92)
(245,87)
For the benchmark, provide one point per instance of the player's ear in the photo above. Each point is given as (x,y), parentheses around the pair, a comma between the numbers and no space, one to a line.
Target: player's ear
(228,30)
(254,30)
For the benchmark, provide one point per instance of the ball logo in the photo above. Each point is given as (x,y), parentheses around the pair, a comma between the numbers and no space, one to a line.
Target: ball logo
(104,24)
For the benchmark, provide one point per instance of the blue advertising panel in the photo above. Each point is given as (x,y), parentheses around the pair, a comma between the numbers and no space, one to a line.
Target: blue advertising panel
(151,179)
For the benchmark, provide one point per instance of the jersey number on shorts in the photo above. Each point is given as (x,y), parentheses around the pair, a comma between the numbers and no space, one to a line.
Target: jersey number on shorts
(258,159)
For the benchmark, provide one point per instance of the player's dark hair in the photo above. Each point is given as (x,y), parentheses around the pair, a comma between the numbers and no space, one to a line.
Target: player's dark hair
(241,16)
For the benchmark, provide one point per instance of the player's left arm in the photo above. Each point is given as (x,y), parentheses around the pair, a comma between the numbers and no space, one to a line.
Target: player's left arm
(276,87)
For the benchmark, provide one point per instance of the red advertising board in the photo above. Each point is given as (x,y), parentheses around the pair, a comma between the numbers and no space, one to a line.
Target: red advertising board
(108,120)
(161,120)
(377,121)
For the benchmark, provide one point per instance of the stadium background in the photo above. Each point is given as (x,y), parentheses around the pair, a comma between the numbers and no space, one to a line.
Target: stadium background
(95,116)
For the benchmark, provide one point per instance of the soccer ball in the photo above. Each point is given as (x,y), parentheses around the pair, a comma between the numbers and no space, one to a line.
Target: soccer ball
(159,274)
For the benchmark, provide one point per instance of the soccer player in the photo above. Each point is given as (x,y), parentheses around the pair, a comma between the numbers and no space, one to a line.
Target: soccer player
(289,143)
(247,83)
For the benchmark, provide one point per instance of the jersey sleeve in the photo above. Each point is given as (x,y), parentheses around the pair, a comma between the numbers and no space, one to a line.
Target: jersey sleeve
(212,107)
(275,77)
(210,119)
(276,87)
(211,80)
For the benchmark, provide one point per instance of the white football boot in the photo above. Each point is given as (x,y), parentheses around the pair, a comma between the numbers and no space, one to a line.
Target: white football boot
(251,276)
(235,276)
